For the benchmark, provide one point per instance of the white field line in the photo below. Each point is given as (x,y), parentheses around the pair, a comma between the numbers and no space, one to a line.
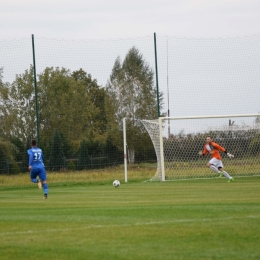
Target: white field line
(124,225)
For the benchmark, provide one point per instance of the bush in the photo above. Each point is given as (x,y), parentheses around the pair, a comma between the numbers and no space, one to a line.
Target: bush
(254,147)
(71,166)
(3,163)
(15,168)
(57,159)
(25,157)
(84,159)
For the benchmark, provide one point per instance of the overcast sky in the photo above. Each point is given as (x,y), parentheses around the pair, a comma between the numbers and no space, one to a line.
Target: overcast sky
(103,19)
(227,66)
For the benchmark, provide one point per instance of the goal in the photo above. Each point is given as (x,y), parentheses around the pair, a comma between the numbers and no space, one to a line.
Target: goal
(178,140)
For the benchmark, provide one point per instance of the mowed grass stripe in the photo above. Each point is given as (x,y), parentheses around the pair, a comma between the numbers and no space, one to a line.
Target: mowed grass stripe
(129,225)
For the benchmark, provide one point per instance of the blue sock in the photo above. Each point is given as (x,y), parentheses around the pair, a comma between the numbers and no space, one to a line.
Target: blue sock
(34,180)
(45,188)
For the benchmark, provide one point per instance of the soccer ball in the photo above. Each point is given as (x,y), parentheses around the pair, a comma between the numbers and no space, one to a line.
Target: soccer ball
(116,183)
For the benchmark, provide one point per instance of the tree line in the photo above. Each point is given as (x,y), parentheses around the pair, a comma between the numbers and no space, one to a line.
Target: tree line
(80,122)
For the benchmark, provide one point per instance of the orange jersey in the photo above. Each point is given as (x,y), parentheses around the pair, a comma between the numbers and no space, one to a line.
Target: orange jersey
(213,149)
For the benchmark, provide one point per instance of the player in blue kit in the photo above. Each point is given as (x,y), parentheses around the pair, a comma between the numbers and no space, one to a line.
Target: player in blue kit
(36,168)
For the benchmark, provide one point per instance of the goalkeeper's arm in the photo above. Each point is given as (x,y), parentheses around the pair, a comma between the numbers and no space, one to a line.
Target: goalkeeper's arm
(229,154)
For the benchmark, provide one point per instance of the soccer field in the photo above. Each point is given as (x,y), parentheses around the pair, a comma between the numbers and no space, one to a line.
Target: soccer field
(199,219)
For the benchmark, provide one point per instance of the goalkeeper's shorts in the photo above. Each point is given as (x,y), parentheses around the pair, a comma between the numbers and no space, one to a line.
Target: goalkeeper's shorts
(216,162)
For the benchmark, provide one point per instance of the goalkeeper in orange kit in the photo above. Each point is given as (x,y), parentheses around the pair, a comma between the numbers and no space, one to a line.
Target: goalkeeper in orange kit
(215,163)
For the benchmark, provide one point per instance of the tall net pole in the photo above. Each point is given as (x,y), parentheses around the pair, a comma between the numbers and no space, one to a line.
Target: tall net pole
(156,75)
(36,92)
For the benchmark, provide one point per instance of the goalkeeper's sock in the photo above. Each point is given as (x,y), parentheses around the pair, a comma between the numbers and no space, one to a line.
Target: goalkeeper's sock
(227,175)
(214,168)
(45,188)
(34,180)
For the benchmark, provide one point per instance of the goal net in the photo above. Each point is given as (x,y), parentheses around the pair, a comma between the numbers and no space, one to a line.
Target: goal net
(177,142)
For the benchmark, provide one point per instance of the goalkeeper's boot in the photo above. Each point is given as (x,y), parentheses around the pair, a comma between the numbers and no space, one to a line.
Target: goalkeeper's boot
(45,196)
(230,180)
(39,184)
(220,174)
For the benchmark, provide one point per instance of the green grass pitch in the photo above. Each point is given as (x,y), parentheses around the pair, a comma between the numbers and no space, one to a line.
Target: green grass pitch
(199,219)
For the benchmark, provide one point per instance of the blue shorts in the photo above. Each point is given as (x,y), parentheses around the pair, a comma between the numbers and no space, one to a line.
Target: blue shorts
(38,171)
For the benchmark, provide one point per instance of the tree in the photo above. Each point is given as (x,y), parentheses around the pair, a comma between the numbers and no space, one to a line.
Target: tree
(65,104)
(8,151)
(73,103)
(84,160)
(57,160)
(17,107)
(3,88)
(19,148)
(257,120)
(131,94)
(97,96)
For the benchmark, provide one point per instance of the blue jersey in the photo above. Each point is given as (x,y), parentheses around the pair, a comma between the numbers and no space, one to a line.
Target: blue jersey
(35,157)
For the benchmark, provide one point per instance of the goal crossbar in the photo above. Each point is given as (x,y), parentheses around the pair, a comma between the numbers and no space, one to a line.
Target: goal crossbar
(209,116)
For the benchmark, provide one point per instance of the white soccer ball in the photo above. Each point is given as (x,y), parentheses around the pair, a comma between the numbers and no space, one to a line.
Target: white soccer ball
(116,183)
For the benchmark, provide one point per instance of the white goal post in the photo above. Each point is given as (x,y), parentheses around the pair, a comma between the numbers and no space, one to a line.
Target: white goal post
(177,151)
